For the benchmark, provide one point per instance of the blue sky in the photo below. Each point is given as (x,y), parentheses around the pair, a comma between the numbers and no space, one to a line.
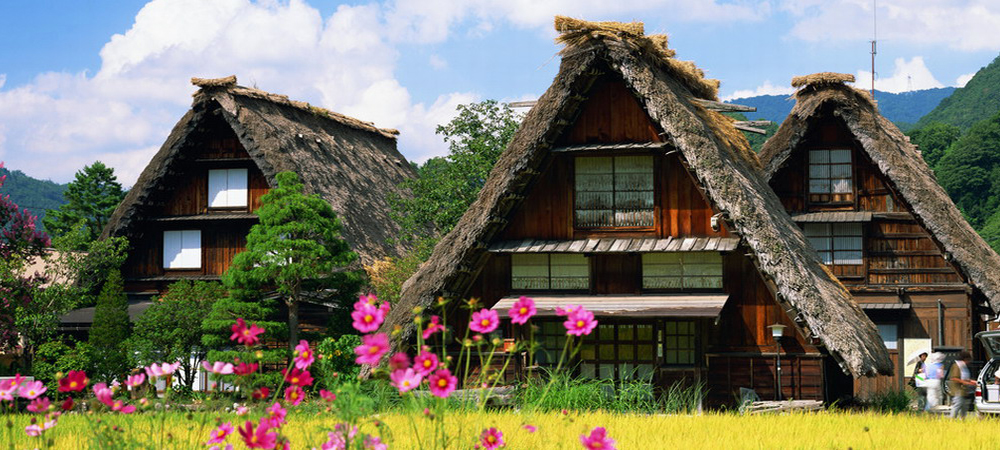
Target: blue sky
(80,83)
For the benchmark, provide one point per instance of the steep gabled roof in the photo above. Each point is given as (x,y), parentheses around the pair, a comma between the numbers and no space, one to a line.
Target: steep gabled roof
(350,163)
(902,165)
(717,155)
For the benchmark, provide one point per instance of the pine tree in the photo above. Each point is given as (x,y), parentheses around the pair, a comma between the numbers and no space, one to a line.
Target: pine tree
(296,248)
(91,198)
(110,329)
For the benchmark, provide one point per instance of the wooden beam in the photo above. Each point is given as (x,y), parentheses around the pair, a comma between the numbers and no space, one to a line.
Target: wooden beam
(754,123)
(723,107)
(523,104)
(749,129)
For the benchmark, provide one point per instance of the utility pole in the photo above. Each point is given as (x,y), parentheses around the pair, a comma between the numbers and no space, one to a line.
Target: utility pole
(874,40)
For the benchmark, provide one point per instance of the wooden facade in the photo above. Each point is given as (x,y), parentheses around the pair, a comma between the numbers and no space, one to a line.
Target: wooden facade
(903,279)
(730,350)
(182,203)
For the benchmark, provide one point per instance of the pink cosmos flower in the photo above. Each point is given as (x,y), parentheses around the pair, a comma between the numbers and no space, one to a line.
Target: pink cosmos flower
(103,393)
(530,428)
(121,407)
(405,379)
(484,321)
(245,369)
(433,327)
(598,440)
(560,311)
(75,380)
(242,410)
(374,443)
(522,310)
(219,434)
(218,367)
(327,395)
(442,383)
(491,438)
(294,395)
(261,393)
(298,377)
(216,447)
(7,388)
(304,356)
(135,380)
(425,363)
(398,361)
(245,335)
(163,369)
(31,389)
(580,322)
(33,430)
(366,299)
(259,438)
(275,417)
(367,318)
(39,405)
(372,347)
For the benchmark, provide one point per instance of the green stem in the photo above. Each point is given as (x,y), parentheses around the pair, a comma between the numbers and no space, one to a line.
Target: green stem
(552,379)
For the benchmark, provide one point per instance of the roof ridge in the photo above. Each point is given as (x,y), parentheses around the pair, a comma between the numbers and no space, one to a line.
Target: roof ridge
(229,85)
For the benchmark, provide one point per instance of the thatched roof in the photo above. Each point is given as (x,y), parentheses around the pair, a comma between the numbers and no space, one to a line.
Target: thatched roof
(350,163)
(722,163)
(904,168)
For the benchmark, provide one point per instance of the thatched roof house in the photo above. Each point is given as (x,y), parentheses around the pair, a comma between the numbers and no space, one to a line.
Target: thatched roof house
(826,95)
(717,156)
(350,163)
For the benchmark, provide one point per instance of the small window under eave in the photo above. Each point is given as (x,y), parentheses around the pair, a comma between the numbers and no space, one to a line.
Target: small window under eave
(227,188)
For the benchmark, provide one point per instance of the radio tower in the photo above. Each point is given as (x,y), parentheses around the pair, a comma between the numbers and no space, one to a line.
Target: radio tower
(874,40)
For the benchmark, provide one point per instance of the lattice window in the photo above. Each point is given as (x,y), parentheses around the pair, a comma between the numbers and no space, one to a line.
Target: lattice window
(614,191)
(682,270)
(679,346)
(830,176)
(837,243)
(619,351)
(549,271)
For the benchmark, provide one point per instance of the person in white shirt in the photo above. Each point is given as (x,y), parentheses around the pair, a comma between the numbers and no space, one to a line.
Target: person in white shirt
(933,372)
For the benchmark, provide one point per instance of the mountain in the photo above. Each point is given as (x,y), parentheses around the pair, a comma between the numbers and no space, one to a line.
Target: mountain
(978,100)
(37,196)
(903,109)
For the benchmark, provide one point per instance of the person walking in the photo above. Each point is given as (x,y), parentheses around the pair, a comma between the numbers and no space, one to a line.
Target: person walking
(919,381)
(960,382)
(933,373)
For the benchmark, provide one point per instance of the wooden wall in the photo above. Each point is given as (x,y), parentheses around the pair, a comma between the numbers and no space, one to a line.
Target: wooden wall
(802,377)
(219,243)
(611,114)
(898,251)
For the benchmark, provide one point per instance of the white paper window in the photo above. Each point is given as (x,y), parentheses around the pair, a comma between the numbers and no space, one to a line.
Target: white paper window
(830,177)
(889,334)
(695,270)
(227,188)
(837,243)
(182,249)
(544,271)
(614,191)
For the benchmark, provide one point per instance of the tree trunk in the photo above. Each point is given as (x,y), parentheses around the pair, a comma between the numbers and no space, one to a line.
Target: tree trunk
(293,324)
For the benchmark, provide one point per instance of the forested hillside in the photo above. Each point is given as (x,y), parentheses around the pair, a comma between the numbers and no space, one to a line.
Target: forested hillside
(38,196)
(903,109)
(979,99)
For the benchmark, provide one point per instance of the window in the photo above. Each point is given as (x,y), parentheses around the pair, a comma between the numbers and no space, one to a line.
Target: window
(549,271)
(836,243)
(619,351)
(182,249)
(227,188)
(679,342)
(890,335)
(830,179)
(693,270)
(614,191)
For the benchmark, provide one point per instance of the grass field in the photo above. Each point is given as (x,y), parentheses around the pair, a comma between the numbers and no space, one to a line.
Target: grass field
(555,430)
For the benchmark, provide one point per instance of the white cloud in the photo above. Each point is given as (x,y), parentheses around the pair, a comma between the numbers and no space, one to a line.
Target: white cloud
(58,122)
(765,89)
(962,80)
(437,62)
(966,25)
(906,76)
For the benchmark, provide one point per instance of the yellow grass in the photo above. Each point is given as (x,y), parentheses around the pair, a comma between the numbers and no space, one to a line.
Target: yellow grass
(557,431)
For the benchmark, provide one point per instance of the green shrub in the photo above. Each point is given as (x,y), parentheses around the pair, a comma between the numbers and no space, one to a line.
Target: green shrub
(335,364)
(890,401)
(56,357)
